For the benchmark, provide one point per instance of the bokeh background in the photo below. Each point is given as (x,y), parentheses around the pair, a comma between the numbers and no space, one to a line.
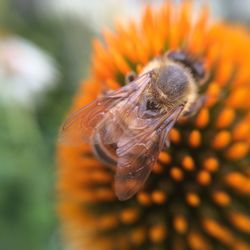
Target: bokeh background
(44,54)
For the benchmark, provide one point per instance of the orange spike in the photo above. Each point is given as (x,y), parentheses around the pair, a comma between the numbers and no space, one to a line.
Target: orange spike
(221,140)
(105,194)
(203,178)
(195,138)
(164,157)
(225,118)
(100,176)
(237,151)
(241,131)
(211,164)
(107,222)
(158,168)
(174,135)
(188,163)
(217,231)
(221,198)
(243,75)
(247,171)
(144,198)
(180,224)
(213,94)
(197,242)
(158,233)
(240,245)
(238,182)
(240,221)
(202,118)
(159,197)
(138,236)
(193,199)
(129,215)
(238,97)
(176,174)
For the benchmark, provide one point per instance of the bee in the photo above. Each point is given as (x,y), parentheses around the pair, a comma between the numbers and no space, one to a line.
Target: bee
(129,127)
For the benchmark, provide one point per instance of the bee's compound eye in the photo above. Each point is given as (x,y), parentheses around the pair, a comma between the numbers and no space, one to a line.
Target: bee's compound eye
(176,56)
(198,70)
(172,80)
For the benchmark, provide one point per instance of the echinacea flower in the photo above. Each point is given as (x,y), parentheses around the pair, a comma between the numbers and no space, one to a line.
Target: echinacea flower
(198,196)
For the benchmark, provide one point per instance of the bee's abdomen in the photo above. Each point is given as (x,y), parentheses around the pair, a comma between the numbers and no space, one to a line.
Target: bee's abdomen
(106,153)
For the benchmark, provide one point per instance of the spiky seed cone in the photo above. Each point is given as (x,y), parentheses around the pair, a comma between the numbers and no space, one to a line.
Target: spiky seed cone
(198,196)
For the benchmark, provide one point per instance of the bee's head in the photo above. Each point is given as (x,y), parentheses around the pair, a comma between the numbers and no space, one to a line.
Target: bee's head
(193,64)
(173,81)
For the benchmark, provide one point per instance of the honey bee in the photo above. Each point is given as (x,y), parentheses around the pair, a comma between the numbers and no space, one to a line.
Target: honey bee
(128,127)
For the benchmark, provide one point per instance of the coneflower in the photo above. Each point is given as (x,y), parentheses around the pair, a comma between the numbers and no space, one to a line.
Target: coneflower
(198,196)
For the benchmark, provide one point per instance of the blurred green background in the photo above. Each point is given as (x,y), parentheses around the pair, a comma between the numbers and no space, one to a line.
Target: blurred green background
(29,121)
(28,130)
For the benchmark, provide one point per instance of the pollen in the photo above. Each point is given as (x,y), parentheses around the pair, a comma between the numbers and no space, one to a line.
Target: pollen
(197,193)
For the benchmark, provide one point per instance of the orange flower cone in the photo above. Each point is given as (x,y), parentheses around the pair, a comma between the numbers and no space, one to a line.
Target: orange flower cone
(198,196)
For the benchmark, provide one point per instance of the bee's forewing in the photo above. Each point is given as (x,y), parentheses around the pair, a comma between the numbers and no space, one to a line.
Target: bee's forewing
(97,116)
(79,126)
(138,153)
(134,167)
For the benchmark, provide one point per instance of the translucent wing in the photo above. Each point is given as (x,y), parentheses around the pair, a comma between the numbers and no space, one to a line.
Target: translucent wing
(80,126)
(137,154)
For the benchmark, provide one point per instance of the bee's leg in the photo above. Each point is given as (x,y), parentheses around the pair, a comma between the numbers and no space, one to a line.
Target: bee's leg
(195,107)
(130,77)
(166,143)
